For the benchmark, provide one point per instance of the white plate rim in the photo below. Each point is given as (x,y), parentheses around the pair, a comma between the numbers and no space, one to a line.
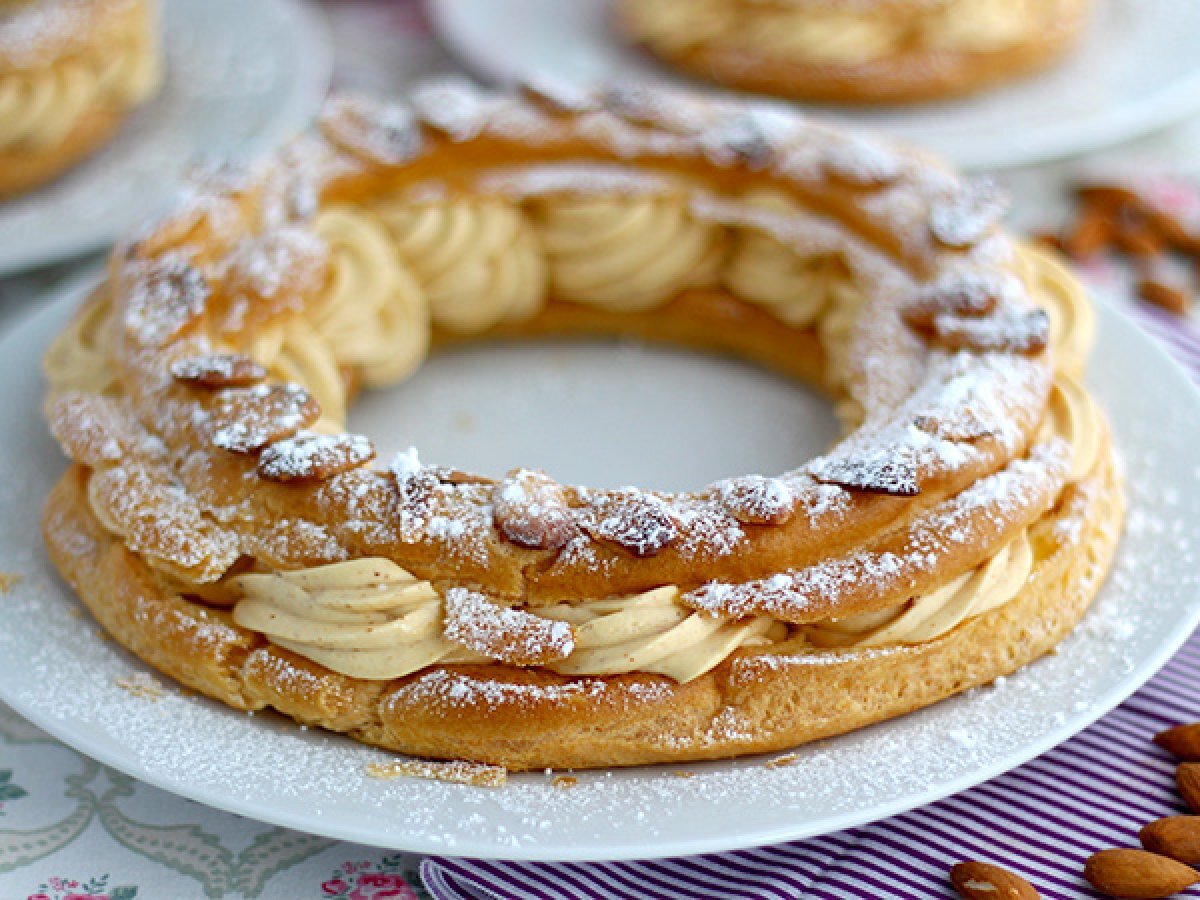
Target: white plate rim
(311,85)
(1052,143)
(72,288)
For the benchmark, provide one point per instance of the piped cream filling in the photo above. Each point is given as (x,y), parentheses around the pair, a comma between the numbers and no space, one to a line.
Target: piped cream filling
(829,35)
(40,106)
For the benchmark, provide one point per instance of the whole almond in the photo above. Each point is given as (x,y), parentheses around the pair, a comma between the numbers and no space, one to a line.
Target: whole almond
(1137,874)
(1175,836)
(1187,778)
(1182,741)
(983,881)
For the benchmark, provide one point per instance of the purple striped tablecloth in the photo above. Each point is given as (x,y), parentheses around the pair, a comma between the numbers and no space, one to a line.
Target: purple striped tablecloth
(1042,819)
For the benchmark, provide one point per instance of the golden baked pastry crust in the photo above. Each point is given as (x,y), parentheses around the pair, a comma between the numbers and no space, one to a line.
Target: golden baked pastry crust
(221,524)
(907,75)
(527,719)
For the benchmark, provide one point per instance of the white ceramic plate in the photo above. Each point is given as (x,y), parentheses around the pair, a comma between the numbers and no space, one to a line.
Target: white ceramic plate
(1137,70)
(241,78)
(623,413)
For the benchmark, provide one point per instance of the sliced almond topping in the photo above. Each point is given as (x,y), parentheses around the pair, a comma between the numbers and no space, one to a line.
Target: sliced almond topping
(218,370)
(556,95)
(964,219)
(448,475)
(963,425)
(984,881)
(385,134)
(741,138)
(641,523)
(531,510)
(1025,332)
(880,471)
(755,500)
(247,419)
(509,635)
(309,456)
(861,163)
(169,295)
(418,486)
(966,294)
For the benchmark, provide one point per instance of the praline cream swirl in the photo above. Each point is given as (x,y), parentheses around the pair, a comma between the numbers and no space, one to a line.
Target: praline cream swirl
(40,104)
(367,618)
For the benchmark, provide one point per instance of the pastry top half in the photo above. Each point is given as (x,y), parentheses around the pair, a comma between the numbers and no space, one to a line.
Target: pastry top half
(204,389)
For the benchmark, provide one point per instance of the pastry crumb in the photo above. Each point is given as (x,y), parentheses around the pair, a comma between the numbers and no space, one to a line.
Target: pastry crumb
(565,781)
(780,761)
(141,685)
(455,772)
(8,581)
(683,773)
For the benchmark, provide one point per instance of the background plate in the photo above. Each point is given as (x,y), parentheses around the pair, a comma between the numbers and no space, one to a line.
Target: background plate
(241,78)
(58,672)
(1136,70)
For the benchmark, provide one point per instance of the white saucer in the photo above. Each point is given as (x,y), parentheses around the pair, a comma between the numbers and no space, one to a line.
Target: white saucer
(241,78)
(57,671)
(1136,70)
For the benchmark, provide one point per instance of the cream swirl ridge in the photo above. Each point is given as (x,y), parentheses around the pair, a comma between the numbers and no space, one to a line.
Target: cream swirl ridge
(625,253)
(795,288)
(372,312)
(39,106)
(478,261)
(367,618)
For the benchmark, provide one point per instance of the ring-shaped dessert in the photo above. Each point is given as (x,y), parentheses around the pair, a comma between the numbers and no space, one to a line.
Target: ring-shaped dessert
(71,71)
(221,523)
(856,51)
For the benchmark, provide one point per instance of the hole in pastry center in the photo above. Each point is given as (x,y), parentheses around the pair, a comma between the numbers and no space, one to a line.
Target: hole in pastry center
(601,413)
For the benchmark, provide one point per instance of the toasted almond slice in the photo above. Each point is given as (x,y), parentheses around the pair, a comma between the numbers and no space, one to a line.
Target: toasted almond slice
(1025,332)
(247,419)
(218,370)
(639,522)
(510,635)
(309,456)
(967,217)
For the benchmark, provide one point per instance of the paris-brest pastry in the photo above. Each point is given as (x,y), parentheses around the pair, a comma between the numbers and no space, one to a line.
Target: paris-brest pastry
(71,71)
(856,51)
(219,520)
